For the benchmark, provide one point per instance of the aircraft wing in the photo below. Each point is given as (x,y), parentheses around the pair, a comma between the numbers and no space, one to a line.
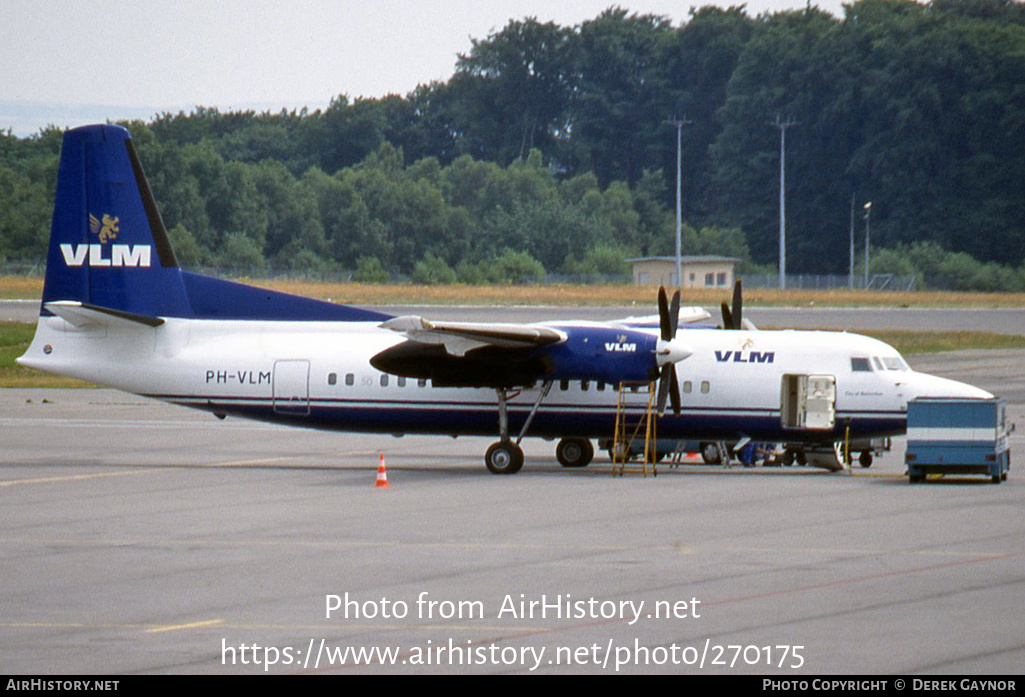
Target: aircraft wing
(492,354)
(688,315)
(459,337)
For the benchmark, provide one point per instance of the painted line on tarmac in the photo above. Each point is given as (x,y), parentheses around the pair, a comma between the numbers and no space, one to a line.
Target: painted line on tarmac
(80,477)
(191,625)
(326,544)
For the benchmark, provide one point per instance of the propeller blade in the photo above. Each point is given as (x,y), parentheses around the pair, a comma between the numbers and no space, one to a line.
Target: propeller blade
(674,314)
(738,307)
(663,387)
(734,318)
(674,390)
(663,314)
(727,317)
(669,318)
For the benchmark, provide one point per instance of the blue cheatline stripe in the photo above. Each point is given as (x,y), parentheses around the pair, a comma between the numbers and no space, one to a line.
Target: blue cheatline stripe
(481,418)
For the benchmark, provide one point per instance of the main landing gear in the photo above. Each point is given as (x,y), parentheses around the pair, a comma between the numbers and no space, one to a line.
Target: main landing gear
(574,452)
(506,456)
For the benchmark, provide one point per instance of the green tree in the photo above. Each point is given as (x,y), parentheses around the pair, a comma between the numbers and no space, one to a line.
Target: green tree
(242,253)
(620,101)
(432,271)
(512,89)
(515,267)
(371,270)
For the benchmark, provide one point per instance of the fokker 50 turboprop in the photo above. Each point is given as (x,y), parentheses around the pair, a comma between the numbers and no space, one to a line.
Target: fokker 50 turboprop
(117,310)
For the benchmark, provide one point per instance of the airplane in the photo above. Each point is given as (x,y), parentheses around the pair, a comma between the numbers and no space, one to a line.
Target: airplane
(118,310)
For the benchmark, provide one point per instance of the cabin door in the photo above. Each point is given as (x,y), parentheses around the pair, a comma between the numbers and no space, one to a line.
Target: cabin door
(292,387)
(808,402)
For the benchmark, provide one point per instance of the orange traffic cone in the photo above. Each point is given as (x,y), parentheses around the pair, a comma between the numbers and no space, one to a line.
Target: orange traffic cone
(382,475)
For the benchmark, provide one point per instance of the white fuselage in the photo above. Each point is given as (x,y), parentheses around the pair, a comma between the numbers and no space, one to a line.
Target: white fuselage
(318,374)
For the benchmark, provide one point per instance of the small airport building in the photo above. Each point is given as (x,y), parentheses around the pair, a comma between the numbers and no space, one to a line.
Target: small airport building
(698,271)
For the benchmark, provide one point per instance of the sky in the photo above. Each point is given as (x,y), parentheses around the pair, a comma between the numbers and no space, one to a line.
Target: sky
(69,62)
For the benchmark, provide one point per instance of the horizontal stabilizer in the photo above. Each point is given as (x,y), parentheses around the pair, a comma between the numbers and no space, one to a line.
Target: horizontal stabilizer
(83,316)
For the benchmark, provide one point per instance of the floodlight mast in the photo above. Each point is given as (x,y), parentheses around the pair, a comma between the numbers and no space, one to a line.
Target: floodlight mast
(868,213)
(850,270)
(783,126)
(679,124)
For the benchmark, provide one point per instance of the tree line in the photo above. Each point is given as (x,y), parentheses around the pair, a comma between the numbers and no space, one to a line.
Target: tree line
(549,150)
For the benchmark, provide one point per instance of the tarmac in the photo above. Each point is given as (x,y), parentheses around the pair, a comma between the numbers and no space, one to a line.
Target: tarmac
(142,538)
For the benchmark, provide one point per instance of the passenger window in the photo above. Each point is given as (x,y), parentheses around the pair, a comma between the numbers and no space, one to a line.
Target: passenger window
(585,385)
(860,365)
(601,386)
(564,385)
(705,387)
(422,382)
(384,380)
(350,379)
(402,381)
(688,387)
(332,378)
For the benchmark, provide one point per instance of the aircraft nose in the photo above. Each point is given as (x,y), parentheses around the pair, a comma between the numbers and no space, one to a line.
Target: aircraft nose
(924,385)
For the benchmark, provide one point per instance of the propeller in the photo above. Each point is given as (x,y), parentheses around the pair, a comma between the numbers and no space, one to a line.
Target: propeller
(668,352)
(733,318)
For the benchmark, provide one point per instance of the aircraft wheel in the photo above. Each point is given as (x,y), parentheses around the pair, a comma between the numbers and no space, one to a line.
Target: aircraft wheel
(504,457)
(801,458)
(710,453)
(621,453)
(865,459)
(574,452)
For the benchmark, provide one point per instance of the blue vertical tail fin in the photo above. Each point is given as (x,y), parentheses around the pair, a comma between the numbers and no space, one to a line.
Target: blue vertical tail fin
(108,245)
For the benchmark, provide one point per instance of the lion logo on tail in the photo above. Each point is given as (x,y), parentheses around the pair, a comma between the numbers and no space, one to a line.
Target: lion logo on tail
(107,229)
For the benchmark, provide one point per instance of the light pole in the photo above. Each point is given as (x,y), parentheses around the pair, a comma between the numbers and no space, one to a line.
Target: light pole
(679,124)
(783,126)
(868,213)
(850,269)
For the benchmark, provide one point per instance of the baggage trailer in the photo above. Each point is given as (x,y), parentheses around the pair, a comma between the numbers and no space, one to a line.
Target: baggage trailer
(957,436)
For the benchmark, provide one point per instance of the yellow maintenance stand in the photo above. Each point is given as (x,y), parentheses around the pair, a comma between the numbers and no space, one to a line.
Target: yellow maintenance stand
(628,430)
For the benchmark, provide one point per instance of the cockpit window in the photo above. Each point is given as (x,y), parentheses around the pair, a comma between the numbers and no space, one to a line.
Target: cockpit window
(860,365)
(895,363)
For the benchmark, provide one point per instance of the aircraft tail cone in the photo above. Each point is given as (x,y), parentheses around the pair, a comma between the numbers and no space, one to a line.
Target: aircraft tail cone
(382,475)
